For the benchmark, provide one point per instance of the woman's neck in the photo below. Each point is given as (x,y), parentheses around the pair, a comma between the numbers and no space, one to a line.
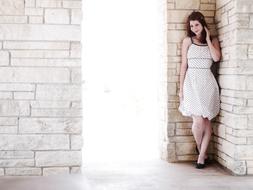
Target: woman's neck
(198,37)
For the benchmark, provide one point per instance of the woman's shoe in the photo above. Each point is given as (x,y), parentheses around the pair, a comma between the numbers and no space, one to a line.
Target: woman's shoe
(200,166)
(207,160)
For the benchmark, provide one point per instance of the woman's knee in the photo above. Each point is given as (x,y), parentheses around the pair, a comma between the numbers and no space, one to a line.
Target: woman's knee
(198,121)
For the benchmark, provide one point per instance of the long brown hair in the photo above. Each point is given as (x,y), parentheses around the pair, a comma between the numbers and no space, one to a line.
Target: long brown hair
(195,15)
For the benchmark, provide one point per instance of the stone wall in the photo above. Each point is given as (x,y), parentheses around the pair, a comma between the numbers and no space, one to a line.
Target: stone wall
(40,87)
(234,131)
(179,142)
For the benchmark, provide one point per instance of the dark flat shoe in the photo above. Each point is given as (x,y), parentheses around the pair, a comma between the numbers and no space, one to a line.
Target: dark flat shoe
(200,166)
(207,160)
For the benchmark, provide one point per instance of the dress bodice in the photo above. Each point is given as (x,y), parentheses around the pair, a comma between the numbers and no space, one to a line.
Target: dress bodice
(199,56)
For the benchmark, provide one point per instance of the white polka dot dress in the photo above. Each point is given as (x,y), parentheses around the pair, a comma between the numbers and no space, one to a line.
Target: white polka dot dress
(200,89)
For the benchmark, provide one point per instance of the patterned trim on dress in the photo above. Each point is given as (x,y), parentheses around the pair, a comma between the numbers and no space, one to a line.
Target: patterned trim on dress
(198,44)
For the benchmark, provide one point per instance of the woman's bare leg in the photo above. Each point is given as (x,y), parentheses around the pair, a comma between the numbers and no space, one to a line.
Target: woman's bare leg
(205,140)
(198,130)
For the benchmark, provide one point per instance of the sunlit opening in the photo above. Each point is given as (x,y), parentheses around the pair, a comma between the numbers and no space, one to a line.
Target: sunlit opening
(120,72)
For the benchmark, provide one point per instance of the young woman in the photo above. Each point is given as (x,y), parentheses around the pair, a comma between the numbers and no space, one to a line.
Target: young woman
(199,91)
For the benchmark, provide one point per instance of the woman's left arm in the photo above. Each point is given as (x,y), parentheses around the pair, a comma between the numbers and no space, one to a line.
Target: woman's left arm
(214,46)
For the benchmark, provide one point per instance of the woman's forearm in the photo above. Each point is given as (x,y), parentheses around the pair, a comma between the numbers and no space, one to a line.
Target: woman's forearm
(215,53)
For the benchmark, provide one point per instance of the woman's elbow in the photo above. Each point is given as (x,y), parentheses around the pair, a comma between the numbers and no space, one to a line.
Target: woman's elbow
(217,58)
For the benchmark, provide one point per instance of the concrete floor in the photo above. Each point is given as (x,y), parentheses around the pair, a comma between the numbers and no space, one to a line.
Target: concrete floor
(155,175)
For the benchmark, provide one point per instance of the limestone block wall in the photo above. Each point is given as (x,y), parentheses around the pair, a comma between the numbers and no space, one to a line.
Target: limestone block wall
(234,130)
(179,142)
(40,87)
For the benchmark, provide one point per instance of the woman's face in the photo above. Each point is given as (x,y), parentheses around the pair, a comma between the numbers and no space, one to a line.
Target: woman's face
(196,27)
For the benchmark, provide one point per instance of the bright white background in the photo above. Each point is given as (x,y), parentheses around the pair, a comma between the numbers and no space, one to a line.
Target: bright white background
(120,43)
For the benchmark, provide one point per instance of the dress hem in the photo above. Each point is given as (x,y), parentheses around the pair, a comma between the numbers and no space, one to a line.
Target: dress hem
(190,114)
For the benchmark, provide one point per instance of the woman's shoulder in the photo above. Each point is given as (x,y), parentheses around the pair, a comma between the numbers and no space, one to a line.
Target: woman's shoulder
(187,41)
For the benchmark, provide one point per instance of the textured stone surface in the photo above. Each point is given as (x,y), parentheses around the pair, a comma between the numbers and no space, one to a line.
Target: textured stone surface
(58,92)
(13,19)
(40,86)
(55,171)
(50,125)
(23,95)
(185,148)
(14,108)
(30,3)
(4,58)
(16,154)
(35,75)
(47,32)
(239,168)
(16,87)
(34,11)
(34,142)
(35,19)
(38,62)
(178,15)
(244,6)
(36,45)
(76,16)
(11,7)
(236,110)
(23,171)
(16,163)
(76,170)
(72,4)
(244,152)
(58,158)
(48,3)
(194,4)
(57,16)
(50,104)
(76,142)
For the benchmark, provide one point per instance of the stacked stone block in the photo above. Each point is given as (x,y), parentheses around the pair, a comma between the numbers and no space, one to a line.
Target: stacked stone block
(233,134)
(40,87)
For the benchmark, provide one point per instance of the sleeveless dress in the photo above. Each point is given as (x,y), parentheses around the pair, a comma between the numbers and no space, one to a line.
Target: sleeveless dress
(200,89)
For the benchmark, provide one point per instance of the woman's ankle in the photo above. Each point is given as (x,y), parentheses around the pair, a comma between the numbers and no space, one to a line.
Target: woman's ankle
(201,159)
